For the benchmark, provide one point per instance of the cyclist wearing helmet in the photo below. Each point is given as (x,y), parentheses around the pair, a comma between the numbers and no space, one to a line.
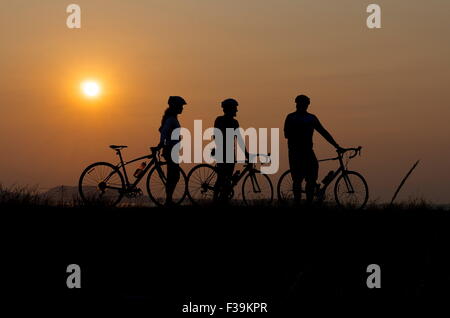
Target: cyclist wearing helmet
(299,127)
(169,123)
(224,169)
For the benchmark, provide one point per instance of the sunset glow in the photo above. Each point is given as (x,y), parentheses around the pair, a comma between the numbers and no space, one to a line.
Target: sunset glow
(90,89)
(125,61)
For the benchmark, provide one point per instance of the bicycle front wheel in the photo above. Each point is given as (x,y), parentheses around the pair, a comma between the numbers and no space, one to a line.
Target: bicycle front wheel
(285,187)
(101,183)
(351,190)
(257,189)
(156,185)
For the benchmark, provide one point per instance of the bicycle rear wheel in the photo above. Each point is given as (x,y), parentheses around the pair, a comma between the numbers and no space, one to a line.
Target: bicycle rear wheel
(351,190)
(101,183)
(156,185)
(201,182)
(257,189)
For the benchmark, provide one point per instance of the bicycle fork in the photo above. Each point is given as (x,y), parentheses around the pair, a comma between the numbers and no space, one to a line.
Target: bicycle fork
(255,185)
(348,184)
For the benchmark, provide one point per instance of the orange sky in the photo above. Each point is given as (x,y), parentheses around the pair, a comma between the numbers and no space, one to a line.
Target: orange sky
(383,89)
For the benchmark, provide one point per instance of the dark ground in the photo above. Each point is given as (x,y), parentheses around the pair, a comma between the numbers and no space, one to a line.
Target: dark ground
(159,259)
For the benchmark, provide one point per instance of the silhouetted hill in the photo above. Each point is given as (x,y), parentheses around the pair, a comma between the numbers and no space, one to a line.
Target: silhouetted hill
(62,195)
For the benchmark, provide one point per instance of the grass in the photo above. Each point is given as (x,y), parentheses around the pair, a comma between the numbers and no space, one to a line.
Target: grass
(266,250)
(22,196)
(25,196)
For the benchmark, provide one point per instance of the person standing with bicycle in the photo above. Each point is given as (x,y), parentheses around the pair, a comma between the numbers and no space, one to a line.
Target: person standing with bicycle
(169,123)
(225,169)
(299,127)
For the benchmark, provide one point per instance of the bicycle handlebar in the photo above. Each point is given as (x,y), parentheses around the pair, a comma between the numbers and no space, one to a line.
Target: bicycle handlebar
(156,151)
(267,156)
(356,151)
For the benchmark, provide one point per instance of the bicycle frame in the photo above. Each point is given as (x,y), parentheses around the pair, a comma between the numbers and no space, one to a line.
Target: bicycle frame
(248,168)
(335,174)
(342,169)
(123,163)
(241,175)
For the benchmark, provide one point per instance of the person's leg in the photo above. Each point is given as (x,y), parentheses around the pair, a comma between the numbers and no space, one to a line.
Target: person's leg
(222,186)
(311,176)
(297,178)
(173,176)
(228,183)
(219,182)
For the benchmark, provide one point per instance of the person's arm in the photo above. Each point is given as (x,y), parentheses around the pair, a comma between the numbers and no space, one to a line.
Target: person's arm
(165,133)
(217,125)
(240,141)
(325,134)
(287,128)
(162,137)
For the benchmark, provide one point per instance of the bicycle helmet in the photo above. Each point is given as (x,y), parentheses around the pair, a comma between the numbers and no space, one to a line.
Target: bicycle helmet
(176,100)
(229,103)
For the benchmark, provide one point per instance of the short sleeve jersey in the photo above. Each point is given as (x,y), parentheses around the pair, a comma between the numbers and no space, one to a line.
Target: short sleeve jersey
(299,129)
(222,123)
(169,126)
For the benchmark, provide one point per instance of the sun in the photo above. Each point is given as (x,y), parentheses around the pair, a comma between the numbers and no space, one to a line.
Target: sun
(90,89)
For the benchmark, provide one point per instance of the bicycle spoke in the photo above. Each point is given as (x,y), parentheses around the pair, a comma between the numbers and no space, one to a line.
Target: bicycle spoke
(201,184)
(285,188)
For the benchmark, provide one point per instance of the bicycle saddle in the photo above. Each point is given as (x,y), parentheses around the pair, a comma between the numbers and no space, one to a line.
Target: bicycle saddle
(117,147)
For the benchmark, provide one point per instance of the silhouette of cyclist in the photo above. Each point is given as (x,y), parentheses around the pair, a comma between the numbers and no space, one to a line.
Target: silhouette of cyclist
(299,127)
(169,122)
(225,170)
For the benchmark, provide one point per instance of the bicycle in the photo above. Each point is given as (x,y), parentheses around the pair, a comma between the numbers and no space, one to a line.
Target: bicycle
(256,187)
(350,189)
(103,183)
